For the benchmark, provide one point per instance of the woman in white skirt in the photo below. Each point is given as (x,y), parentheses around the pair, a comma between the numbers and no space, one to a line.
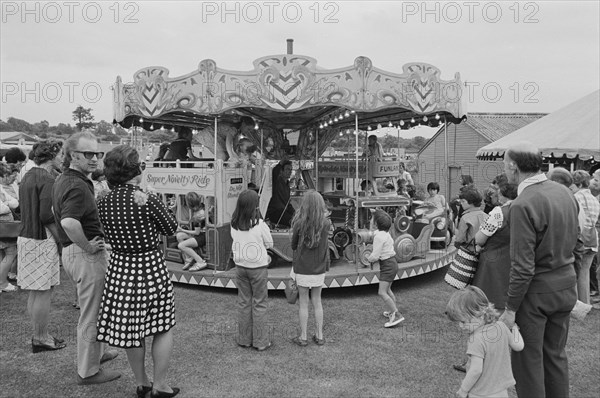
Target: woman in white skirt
(310,227)
(38,260)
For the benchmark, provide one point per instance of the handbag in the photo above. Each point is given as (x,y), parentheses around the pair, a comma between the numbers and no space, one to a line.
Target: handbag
(9,228)
(463,267)
(291,291)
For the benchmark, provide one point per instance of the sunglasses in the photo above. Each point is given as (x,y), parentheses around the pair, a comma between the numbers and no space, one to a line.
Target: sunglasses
(90,155)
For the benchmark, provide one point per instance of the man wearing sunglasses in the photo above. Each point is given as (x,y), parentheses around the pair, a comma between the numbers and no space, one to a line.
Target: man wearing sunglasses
(84,256)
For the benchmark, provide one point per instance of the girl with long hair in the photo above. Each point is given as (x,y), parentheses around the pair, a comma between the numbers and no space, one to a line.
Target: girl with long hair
(310,236)
(251,239)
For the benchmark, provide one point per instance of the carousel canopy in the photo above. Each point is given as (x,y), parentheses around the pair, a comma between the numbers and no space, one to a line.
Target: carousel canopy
(573,131)
(289,92)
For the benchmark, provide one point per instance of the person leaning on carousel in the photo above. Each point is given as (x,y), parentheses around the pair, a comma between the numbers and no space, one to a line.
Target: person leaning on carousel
(84,256)
(280,210)
(137,273)
(543,287)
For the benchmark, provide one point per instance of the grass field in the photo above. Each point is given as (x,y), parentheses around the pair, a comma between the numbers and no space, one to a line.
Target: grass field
(360,358)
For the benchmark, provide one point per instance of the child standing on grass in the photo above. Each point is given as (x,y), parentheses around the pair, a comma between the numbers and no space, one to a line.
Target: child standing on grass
(251,239)
(489,372)
(310,242)
(383,250)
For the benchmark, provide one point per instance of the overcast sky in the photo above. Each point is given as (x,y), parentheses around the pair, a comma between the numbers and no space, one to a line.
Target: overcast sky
(529,56)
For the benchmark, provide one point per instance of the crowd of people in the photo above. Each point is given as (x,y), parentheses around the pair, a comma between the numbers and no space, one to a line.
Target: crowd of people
(536,235)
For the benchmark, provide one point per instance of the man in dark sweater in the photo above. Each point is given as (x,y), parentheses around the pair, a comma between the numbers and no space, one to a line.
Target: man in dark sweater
(542,289)
(280,210)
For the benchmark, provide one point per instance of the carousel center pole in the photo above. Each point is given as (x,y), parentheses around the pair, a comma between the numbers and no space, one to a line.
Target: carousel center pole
(317,160)
(356,181)
(447,171)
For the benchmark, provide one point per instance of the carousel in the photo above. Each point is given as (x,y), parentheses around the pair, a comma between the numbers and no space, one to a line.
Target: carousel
(287,107)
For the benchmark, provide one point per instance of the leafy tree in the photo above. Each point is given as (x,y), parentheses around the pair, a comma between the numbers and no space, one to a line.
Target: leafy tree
(41,127)
(83,117)
(19,125)
(5,126)
(61,129)
(104,128)
(418,142)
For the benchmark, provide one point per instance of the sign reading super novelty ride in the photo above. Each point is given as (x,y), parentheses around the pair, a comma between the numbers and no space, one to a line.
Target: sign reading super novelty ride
(173,180)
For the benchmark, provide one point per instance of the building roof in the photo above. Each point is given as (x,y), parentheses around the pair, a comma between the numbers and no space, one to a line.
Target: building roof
(493,126)
(16,136)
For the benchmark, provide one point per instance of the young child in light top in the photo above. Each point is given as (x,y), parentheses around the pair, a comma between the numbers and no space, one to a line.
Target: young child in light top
(383,251)
(489,372)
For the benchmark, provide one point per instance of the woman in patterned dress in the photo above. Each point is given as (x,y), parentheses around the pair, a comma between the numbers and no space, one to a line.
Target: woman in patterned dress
(493,237)
(138,295)
(38,258)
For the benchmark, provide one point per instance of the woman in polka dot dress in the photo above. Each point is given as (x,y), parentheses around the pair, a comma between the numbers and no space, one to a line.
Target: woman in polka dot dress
(138,295)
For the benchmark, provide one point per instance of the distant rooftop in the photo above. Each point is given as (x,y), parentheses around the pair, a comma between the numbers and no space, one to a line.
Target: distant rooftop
(494,126)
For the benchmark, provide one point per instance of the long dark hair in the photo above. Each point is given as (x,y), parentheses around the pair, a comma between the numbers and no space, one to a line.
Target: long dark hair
(246,214)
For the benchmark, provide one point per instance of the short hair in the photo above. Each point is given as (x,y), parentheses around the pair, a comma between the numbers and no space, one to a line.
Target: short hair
(433,185)
(402,165)
(71,144)
(382,220)
(44,151)
(373,137)
(121,164)
(470,303)
(183,132)
(471,195)
(500,179)
(466,179)
(284,163)
(509,190)
(526,161)
(561,176)
(96,174)
(595,187)
(14,155)
(581,178)
(5,170)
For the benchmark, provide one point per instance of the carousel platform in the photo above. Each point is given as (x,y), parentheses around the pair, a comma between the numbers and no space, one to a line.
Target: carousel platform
(341,274)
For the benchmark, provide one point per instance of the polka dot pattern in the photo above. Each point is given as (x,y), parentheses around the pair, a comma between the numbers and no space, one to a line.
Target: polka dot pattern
(138,295)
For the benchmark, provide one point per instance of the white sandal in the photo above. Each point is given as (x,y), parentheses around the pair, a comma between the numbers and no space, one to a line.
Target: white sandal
(198,266)
(188,264)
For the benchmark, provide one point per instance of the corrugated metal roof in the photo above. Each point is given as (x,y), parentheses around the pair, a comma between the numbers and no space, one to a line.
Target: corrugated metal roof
(494,126)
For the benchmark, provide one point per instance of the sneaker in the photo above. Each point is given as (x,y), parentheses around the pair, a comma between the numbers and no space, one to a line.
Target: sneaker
(102,376)
(395,319)
(299,341)
(461,367)
(11,276)
(198,266)
(9,288)
(188,264)
(387,314)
